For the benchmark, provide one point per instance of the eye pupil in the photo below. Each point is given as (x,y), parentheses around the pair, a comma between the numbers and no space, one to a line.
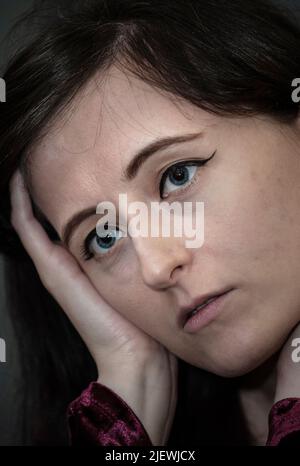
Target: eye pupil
(107,241)
(179,175)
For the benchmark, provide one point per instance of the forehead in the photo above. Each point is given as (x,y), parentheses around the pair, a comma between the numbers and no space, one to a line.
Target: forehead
(81,159)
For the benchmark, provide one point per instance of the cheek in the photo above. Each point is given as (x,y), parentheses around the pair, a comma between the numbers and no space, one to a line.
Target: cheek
(250,218)
(252,241)
(127,299)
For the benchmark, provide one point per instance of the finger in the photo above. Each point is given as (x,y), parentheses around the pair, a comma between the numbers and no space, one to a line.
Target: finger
(57,268)
(50,259)
(33,236)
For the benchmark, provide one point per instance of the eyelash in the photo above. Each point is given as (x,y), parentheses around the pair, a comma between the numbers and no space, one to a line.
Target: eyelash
(85,252)
(184,163)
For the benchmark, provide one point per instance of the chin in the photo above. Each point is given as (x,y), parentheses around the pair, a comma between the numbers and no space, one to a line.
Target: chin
(235,363)
(236,371)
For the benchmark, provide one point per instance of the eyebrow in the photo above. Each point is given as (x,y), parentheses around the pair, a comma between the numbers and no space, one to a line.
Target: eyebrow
(158,145)
(129,174)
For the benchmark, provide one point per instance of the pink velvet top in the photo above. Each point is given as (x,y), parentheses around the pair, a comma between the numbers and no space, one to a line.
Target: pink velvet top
(100,417)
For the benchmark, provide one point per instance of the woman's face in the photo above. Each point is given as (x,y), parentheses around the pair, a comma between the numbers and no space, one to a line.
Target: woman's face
(250,190)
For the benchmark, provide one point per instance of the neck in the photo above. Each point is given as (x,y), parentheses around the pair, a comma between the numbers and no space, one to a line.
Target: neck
(256,393)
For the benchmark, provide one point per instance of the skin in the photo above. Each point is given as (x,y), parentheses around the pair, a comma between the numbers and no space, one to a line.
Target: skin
(251,194)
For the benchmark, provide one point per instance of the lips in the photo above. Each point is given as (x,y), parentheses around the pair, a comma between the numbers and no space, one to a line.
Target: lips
(199,302)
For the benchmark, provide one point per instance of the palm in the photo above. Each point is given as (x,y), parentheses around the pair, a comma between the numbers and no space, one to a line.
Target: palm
(99,323)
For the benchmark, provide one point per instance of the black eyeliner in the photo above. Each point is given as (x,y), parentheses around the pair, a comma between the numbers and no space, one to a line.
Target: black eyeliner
(85,252)
(184,163)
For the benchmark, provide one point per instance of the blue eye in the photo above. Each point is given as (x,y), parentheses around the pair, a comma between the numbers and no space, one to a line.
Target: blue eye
(180,175)
(177,177)
(100,245)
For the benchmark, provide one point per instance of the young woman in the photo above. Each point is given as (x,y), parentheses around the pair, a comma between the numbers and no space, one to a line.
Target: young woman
(178,101)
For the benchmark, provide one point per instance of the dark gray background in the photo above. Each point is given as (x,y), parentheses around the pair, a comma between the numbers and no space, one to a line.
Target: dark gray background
(9,12)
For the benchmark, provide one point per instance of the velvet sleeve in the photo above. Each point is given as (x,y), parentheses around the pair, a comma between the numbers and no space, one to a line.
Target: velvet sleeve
(284,423)
(100,417)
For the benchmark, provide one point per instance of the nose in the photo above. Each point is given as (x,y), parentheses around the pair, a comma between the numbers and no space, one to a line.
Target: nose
(162,260)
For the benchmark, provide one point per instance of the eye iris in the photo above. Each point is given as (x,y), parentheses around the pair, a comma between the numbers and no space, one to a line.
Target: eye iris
(179,175)
(107,241)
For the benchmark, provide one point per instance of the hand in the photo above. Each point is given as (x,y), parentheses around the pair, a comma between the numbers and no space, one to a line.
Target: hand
(288,367)
(132,363)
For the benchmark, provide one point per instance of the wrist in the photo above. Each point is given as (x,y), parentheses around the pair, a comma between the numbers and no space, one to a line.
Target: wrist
(130,384)
(148,391)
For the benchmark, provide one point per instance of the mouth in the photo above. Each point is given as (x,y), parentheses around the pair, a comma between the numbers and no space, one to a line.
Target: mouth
(198,304)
